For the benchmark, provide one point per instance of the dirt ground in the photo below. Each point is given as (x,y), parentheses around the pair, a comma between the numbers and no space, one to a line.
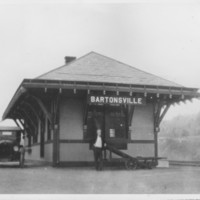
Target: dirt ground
(85,180)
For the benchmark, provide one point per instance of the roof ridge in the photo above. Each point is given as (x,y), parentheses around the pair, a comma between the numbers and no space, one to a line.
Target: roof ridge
(138,69)
(62,66)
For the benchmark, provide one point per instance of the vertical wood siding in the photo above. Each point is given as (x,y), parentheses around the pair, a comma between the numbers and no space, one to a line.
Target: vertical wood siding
(71,118)
(35,153)
(143,123)
(75,152)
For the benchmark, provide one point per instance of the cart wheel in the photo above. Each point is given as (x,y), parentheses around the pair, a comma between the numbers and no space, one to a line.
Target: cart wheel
(21,159)
(130,164)
(149,165)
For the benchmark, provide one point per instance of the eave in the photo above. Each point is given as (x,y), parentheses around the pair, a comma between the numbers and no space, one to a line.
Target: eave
(57,84)
(20,91)
(98,86)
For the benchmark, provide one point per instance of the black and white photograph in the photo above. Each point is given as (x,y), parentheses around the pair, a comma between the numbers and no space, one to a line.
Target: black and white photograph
(100,98)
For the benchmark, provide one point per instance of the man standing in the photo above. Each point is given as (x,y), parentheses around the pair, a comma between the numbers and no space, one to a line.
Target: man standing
(98,145)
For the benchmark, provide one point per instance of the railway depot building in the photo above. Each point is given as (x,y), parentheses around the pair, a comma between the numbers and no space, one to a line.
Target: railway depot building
(61,110)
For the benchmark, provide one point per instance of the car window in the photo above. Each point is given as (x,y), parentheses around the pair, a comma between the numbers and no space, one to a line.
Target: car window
(8,133)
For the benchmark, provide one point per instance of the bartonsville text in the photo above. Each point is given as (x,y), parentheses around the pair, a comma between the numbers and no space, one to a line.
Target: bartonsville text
(115,100)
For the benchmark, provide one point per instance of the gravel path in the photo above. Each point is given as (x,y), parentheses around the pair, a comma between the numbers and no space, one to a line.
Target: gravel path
(48,180)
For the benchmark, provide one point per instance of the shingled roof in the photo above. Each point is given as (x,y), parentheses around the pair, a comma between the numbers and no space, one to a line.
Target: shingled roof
(95,72)
(94,67)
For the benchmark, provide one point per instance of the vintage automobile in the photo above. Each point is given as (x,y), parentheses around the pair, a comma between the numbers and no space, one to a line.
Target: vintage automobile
(12,145)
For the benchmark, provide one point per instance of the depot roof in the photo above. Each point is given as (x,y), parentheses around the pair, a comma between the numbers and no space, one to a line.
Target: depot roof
(94,71)
(94,67)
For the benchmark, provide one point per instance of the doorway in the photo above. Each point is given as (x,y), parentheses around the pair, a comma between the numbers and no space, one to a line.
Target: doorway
(116,126)
(112,120)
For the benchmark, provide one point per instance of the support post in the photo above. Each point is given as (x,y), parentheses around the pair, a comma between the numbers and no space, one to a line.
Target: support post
(156,144)
(158,117)
(157,110)
(130,114)
(56,148)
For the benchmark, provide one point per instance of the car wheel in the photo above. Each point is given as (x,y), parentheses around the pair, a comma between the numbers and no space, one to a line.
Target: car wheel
(130,164)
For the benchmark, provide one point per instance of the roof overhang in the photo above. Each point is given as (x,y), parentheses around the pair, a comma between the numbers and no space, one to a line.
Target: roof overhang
(20,91)
(57,84)
(98,86)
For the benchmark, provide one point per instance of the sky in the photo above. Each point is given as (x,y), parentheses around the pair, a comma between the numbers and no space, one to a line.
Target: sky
(160,37)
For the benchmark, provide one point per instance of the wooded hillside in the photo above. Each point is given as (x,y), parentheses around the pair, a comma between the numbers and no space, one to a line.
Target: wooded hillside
(179,138)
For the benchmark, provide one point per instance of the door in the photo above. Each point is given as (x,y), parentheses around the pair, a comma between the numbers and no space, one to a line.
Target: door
(116,126)
(95,120)
(112,120)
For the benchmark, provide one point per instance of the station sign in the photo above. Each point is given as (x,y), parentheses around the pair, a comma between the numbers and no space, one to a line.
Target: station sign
(98,99)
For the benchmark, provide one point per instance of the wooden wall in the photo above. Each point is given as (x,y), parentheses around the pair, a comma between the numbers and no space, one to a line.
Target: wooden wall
(35,153)
(71,118)
(71,132)
(142,126)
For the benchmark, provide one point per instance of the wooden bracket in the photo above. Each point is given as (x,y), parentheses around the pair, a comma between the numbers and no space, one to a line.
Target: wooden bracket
(75,87)
(157,110)
(163,113)
(104,89)
(131,91)
(43,108)
(28,130)
(145,91)
(21,110)
(31,108)
(117,90)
